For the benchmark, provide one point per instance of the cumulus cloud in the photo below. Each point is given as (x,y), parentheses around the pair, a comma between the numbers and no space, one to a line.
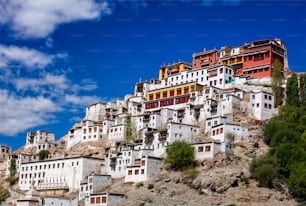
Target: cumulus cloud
(31,98)
(29,58)
(21,113)
(37,18)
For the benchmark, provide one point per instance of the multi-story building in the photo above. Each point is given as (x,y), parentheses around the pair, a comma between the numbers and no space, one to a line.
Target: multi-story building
(4,152)
(54,174)
(42,140)
(252,59)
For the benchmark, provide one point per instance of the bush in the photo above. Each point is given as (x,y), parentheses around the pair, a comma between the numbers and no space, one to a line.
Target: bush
(264,170)
(245,180)
(11,179)
(12,167)
(4,193)
(139,184)
(43,154)
(297,180)
(180,155)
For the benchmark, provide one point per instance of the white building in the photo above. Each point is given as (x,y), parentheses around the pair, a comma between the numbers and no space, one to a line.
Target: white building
(40,139)
(104,199)
(142,169)
(65,173)
(221,131)
(181,132)
(204,150)
(94,184)
(261,105)
(4,152)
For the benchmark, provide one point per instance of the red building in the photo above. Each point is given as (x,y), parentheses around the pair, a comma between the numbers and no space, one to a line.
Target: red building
(252,59)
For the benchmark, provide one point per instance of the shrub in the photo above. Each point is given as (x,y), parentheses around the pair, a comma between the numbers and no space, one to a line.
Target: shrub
(297,180)
(180,155)
(11,179)
(245,180)
(264,170)
(4,193)
(43,154)
(139,184)
(12,167)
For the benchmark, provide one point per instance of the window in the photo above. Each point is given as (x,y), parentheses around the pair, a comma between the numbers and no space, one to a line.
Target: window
(103,199)
(136,172)
(253,96)
(150,96)
(178,91)
(270,106)
(130,172)
(221,130)
(157,95)
(214,132)
(257,105)
(266,96)
(208,123)
(270,97)
(164,94)
(98,199)
(171,93)
(143,162)
(207,148)
(142,171)
(266,106)
(92,200)
(221,70)
(186,90)
(200,149)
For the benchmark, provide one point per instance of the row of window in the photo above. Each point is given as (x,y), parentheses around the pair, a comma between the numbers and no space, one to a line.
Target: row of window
(47,166)
(39,175)
(136,172)
(90,130)
(266,106)
(163,103)
(254,71)
(172,92)
(207,148)
(217,131)
(89,137)
(98,200)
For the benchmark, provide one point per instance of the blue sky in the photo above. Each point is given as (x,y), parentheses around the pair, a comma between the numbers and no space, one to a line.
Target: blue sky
(58,56)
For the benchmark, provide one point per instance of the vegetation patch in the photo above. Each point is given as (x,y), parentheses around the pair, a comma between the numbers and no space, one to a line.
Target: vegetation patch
(180,156)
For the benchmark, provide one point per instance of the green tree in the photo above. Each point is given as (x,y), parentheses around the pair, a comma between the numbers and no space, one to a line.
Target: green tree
(12,167)
(292,91)
(264,170)
(180,155)
(277,83)
(130,132)
(303,91)
(43,154)
(297,180)
(4,193)
(287,155)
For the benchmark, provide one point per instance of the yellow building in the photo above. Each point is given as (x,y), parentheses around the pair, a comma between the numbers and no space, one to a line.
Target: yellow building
(168,70)
(167,96)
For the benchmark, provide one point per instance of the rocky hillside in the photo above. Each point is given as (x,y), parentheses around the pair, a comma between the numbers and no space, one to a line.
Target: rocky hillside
(223,180)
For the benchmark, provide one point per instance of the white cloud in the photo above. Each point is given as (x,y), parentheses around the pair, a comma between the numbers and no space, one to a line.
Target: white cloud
(18,114)
(31,98)
(37,18)
(22,55)
(80,100)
